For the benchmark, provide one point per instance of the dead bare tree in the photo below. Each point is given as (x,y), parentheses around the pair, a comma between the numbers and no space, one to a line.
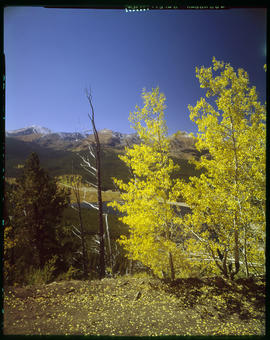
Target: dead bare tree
(96,171)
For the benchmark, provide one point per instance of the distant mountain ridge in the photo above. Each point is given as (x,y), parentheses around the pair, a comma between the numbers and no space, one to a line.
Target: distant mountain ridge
(73,141)
(182,143)
(58,151)
(33,129)
(42,131)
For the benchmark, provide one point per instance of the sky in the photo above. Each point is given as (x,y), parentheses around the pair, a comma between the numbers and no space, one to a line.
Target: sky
(53,55)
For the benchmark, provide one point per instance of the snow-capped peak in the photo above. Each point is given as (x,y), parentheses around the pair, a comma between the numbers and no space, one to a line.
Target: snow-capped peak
(40,130)
(33,129)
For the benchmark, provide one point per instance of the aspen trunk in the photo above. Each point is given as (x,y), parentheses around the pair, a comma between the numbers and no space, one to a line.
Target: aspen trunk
(171,266)
(109,241)
(245,254)
(83,242)
(236,253)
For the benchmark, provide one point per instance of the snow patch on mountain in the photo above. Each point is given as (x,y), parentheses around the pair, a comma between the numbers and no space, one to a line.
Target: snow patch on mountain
(33,129)
(71,135)
(41,130)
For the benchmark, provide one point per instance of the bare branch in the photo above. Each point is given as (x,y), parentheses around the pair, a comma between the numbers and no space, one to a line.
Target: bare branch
(87,163)
(89,97)
(91,151)
(76,234)
(94,185)
(195,234)
(86,169)
(91,205)
(77,230)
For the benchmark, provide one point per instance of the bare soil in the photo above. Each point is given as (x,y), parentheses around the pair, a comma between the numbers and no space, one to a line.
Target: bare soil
(131,306)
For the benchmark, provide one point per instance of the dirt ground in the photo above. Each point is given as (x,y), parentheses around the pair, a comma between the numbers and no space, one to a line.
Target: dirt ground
(132,306)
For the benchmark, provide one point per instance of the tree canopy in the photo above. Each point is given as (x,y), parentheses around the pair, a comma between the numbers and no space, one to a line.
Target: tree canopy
(148,193)
(227,221)
(38,205)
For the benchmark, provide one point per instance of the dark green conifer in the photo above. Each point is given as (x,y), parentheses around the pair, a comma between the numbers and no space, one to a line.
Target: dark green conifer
(38,212)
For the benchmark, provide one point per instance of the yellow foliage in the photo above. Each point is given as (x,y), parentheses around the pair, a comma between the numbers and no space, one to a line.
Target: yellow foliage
(230,196)
(146,196)
(9,241)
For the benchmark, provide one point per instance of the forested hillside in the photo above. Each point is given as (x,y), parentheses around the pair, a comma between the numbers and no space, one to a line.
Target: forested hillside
(56,157)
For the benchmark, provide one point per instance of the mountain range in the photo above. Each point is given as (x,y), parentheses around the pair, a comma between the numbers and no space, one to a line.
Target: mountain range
(73,141)
(58,152)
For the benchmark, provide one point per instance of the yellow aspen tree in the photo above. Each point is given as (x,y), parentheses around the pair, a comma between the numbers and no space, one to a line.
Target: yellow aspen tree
(227,221)
(146,197)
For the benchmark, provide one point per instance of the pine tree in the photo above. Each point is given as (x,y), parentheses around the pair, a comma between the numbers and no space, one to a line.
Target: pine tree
(10,238)
(38,211)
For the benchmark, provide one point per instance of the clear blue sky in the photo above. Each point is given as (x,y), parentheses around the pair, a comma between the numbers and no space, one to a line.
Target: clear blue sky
(52,55)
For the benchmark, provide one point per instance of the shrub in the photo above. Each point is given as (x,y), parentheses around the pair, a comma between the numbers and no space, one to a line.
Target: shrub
(41,276)
(70,274)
